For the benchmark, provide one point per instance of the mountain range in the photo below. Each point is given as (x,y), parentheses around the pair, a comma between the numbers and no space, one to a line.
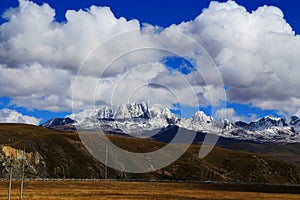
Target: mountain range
(265,151)
(141,120)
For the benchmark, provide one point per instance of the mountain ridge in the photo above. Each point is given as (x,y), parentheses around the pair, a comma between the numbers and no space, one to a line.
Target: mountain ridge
(140,119)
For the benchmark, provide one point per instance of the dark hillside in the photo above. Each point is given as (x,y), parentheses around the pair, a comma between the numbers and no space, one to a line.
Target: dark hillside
(57,154)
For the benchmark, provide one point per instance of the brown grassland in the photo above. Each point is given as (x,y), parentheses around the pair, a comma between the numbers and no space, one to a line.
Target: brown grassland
(67,190)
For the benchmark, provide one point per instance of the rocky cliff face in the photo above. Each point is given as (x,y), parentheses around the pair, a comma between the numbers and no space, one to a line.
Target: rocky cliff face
(33,162)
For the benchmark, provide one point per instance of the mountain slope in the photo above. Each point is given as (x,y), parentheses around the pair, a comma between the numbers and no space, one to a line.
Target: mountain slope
(60,123)
(52,153)
(287,152)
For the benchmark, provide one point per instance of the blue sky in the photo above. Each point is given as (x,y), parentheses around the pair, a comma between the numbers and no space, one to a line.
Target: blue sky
(163,14)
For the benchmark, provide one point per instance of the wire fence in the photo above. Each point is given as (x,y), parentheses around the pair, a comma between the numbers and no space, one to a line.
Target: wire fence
(152,180)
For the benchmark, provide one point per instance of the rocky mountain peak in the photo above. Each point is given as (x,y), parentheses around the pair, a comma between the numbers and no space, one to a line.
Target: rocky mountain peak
(295,122)
(200,116)
(268,122)
(58,122)
(123,111)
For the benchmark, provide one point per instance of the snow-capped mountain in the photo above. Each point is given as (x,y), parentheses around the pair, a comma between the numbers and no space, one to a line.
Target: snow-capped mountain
(269,129)
(134,119)
(140,111)
(123,112)
(198,122)
(266,123)
(295,122)
(139,119)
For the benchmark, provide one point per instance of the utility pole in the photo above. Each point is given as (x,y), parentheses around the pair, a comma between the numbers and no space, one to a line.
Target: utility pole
(10,176)
(106,154)
(22,176)
(64,175)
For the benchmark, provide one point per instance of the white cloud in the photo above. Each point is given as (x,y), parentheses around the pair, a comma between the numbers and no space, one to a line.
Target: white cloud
(257,54)
(12,116)
(286,108)
(231,115)
(32,35)
(143,83)
(40,57)
(36,86)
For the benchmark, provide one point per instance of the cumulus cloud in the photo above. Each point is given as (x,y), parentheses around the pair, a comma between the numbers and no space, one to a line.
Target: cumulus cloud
(43,61)
(36,86)
(150,83)
(255,52)
(228,113)
(32,35)
(12,116)
(233,116)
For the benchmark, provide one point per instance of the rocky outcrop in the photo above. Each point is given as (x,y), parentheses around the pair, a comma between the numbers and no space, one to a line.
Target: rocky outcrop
(33,163)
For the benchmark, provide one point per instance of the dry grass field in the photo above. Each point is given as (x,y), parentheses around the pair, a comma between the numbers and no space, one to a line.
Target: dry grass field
(67,190)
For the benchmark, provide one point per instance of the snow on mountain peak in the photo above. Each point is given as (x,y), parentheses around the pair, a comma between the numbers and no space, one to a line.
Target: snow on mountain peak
(139,119)
(134,118)
(124,111)
(161,112)
(200,116)
(268,122)
(295,122)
